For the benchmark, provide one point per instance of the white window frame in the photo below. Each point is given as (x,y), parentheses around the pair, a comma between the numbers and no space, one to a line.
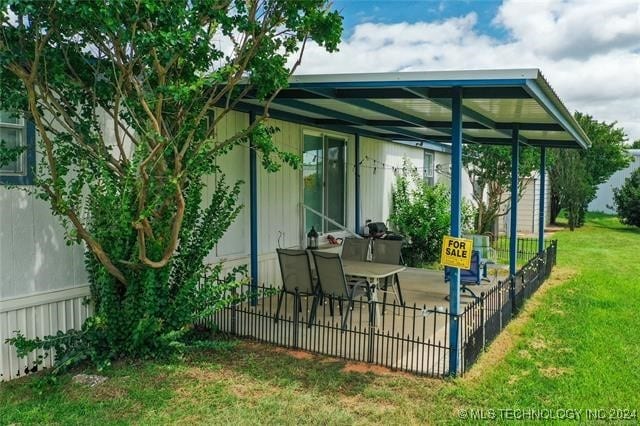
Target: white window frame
(324,134)
(428,173)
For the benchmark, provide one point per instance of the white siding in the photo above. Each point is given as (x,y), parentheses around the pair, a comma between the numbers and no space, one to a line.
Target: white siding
(376,180)
(38,315)
(33,254)
(528,209)
(604,197)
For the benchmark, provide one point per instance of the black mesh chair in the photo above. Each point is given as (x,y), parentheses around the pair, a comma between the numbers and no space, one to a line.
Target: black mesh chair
(355,249)
(389,251)
(295,268)
(332,283)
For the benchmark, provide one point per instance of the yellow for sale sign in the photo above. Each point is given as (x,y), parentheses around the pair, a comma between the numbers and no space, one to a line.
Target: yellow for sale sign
(456,252)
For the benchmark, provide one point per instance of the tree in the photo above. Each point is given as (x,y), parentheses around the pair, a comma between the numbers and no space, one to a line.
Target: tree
(635,144)
(604,157)
(422,213)
(489,169)
(164,74)
(627,200)
(571,178)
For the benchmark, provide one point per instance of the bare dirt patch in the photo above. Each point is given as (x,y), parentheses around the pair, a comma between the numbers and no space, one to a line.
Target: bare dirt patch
(553,372)
(525,354)
(538,343)
(513,379)
(358,367)
(294,353)
(506,340)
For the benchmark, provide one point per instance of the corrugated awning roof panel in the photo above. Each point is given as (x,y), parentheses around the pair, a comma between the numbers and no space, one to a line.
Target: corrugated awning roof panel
(416,106)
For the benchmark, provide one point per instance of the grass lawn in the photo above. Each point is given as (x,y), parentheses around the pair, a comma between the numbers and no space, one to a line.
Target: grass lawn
(576,346)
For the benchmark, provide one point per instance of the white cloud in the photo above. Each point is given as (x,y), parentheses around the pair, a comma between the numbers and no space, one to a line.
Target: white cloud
(589,51)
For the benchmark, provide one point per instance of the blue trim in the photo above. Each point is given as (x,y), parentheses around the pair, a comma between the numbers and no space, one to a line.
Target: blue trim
(357,183)
(253,201)
(30,166)
(532,87)
(365,104)
(543,165)
(299,119)
(513,226)
(456,203)
(414,83)
(315,109)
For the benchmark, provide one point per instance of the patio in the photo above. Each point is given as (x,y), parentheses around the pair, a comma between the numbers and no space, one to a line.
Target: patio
(512,108)
(413,337)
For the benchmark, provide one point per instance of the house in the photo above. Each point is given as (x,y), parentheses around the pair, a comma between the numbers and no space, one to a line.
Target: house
(352,132)
(43,285)
(528,208)
(604,196)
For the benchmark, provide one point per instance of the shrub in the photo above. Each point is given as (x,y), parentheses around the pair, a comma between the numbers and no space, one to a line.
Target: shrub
(627,200)
(422,213)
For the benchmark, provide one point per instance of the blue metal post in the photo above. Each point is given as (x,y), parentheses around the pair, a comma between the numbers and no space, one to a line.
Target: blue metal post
(456,202)
(357,183)
(515,161)
(543,165)
(253,201)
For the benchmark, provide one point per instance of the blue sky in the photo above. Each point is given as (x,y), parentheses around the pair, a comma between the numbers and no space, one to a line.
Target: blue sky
(589,50)
(390,11)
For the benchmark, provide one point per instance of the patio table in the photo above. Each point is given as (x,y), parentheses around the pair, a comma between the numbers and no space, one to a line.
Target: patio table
(372,272)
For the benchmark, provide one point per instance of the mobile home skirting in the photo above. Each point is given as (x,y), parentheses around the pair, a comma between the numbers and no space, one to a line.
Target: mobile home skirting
(38,315)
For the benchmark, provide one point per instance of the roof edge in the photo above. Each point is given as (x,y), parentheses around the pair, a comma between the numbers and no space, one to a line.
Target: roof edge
(402,76)
(546,88)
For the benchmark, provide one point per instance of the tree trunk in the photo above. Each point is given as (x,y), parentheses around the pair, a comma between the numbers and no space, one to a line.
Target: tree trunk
(554,207)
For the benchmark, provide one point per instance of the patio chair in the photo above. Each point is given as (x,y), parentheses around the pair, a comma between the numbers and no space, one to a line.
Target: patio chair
(295,268)
(332,283)
(355,249)
(488,256)
(389,251)
(471,276)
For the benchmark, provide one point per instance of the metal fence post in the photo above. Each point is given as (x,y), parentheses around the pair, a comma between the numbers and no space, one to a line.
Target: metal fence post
(234,313)
(372,325)
(297,305)
(482,321)
(500,288)
(512,294)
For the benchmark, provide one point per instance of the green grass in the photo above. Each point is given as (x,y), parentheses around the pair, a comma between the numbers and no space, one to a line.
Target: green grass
(576,346)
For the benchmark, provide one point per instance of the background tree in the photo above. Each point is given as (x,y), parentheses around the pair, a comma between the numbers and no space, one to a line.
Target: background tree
(489,169)
(627,200)
(635,144)
(164,74)
(604,157)
(572,179)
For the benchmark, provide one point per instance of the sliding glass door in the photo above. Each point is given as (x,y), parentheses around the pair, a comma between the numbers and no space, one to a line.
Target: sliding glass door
(324,175)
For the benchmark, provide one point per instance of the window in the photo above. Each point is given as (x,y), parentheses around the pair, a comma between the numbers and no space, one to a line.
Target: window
(428,168)
(324,181)
(15,132)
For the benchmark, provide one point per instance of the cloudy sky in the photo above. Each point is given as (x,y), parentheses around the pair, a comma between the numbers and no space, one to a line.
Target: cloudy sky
(589,50)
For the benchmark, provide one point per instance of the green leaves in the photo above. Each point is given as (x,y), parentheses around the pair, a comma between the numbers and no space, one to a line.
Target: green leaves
(130,98)
(422,213)
(489,169)
(575,176)
(627,200)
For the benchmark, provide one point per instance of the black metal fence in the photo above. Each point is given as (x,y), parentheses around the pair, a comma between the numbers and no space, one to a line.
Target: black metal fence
(526,249)
(406,338)
(486,317)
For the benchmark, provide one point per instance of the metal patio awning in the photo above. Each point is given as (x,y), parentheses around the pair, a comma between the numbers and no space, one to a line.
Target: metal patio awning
(415,107)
